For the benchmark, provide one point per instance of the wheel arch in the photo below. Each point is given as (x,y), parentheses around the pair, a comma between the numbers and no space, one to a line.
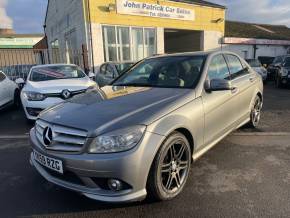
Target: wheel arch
(188,136)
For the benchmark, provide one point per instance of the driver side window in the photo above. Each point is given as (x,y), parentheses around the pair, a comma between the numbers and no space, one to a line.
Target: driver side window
(107,71)
(218,68)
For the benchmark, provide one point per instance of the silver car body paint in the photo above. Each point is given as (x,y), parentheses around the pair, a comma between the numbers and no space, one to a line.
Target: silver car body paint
(208,117)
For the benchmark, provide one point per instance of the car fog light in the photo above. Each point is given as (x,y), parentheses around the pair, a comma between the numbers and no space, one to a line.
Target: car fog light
(114,184)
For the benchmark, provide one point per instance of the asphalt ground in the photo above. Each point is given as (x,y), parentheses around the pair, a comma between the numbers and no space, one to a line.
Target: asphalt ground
(245,175)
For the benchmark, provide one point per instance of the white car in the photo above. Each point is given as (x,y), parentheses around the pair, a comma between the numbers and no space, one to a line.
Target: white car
(9,91)
(258,67)
(48,85)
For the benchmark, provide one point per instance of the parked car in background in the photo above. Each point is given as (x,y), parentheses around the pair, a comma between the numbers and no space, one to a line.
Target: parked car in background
(274,67)
(282,77)
(111,70)
(48,85)
(140,134)
(9,92)
(266,60)
(258,67)
(17,71)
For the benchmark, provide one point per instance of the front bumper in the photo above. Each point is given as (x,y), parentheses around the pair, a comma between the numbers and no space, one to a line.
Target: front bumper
(33,108)
(131,167)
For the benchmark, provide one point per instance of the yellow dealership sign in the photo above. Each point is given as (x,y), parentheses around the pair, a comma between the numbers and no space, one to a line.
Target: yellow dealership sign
(154,10)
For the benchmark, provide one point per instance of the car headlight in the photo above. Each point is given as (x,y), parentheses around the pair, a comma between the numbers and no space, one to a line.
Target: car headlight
(34,96)
(284,72)
(117,141)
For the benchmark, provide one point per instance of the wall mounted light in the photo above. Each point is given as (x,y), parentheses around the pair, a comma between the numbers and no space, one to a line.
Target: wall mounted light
(111,7)
(220,20)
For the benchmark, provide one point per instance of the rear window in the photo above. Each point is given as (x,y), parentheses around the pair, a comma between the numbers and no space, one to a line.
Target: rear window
(278,60)
(55,73)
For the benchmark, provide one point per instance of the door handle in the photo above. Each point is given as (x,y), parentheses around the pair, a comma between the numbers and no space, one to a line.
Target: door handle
(234,90)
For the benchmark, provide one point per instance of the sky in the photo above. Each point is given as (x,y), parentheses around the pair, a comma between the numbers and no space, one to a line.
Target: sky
(27,16)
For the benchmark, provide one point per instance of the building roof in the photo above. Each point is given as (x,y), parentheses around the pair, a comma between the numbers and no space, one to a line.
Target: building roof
(201,2)
(18,41)
(38,35)
(257,31)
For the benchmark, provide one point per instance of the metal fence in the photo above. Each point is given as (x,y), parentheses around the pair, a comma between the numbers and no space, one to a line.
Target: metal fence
(16,63)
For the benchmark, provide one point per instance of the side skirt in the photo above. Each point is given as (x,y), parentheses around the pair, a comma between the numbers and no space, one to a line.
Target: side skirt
(206,148)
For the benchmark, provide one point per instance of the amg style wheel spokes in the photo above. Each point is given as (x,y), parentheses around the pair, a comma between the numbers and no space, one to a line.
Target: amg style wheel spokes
(175,166)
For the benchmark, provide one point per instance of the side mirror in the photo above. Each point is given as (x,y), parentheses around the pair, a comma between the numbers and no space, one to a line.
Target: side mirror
(218,85)
(91,75)
(20,82)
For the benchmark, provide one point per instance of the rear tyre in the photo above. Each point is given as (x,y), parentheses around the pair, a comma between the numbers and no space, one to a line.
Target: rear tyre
(255,115)
(170,168)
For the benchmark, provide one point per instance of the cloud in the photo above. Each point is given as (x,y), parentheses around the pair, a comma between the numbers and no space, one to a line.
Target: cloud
(5,21)
(262,11)
(28,15)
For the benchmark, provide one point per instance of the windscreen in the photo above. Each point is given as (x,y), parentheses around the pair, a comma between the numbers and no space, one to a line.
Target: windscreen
(170,71)
(55,72)
(123,67)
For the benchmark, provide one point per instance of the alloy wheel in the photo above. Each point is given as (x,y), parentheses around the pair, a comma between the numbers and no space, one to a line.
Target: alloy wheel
(256,112)
(175,167)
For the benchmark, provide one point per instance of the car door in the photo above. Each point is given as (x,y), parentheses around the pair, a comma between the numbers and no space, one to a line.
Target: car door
(242,79)
(4,92)
(218,105)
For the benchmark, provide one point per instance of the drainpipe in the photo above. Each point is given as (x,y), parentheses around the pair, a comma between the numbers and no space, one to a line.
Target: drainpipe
(90,35)
(255,51)
(46,39)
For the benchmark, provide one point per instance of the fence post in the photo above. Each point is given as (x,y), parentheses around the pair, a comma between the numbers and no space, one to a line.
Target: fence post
(85,58)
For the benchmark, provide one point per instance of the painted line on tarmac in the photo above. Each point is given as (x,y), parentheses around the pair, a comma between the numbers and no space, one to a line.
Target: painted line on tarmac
(261,134)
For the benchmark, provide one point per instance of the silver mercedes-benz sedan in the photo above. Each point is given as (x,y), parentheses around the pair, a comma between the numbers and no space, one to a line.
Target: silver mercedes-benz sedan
(141,134)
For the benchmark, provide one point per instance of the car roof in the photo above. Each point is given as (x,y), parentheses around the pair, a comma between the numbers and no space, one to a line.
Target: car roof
(119,62)
(197,53)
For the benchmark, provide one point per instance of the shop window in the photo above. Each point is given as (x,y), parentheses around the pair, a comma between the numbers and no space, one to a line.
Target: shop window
(110,43)
(137,43)
(128,43)
(150,42)
(123,43)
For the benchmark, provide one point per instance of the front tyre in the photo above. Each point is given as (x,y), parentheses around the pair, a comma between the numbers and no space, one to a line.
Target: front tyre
(255,115)
(170,168)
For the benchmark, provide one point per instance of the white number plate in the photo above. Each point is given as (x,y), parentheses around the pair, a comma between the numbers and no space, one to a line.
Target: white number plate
(48,162)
